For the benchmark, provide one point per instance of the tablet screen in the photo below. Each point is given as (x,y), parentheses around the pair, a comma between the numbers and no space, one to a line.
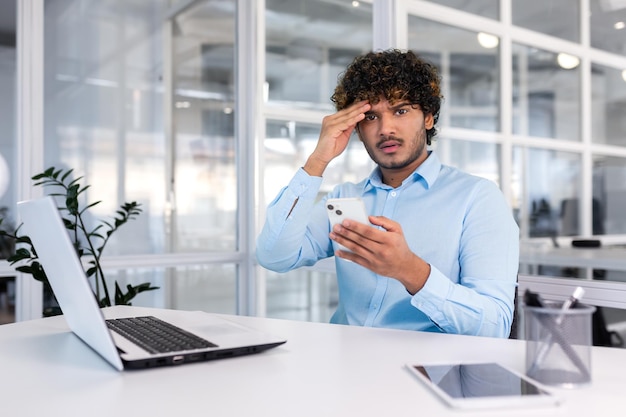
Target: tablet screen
(475,385)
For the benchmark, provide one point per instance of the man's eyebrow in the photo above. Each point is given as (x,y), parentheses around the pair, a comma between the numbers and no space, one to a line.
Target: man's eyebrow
(399,105)
(394,107)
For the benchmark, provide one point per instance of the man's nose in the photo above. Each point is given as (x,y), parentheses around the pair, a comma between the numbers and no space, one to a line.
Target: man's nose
(387,126)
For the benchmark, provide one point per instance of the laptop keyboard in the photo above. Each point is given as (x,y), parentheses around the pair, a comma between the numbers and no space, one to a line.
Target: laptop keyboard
(157,336)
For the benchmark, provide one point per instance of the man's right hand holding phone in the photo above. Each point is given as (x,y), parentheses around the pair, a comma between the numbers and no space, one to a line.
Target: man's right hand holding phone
(382,250)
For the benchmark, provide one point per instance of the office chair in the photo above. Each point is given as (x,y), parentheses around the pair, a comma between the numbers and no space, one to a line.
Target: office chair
(514,330)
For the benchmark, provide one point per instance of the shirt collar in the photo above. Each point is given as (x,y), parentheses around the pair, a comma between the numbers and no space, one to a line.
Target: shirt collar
(426,173)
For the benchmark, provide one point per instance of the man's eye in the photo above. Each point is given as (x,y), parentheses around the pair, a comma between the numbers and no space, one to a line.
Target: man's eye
(402,111)
(369,117)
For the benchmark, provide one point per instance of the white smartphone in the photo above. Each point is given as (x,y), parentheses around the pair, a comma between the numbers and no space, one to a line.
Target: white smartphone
(482,386)
(352,208)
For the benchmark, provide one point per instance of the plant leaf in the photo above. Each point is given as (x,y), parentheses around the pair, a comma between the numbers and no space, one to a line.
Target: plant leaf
(67,174)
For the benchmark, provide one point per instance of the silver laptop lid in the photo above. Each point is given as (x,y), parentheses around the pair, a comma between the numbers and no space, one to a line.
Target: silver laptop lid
(43,224)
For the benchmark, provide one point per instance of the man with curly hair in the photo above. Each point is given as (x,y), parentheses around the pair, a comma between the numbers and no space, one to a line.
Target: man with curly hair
(443,253)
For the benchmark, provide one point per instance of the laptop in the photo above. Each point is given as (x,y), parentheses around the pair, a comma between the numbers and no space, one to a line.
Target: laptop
(210,336)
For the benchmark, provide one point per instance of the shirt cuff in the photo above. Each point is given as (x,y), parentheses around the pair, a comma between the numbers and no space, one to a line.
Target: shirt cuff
(433,295)
(305,186)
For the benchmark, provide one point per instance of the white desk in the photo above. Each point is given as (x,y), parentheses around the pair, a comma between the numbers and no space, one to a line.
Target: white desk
(323,370)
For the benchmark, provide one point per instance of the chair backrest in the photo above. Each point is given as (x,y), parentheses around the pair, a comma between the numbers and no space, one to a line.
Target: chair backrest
(514,331)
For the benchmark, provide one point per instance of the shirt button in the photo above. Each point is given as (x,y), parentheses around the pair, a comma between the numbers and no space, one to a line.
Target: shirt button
(393,193)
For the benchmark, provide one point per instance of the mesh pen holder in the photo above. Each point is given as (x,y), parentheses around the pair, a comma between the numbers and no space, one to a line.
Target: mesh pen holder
(558,344)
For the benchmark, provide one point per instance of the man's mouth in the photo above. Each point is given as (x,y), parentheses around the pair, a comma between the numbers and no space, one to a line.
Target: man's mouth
(389,146)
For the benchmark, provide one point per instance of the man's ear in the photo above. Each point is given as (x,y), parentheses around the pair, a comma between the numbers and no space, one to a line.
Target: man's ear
(429,121)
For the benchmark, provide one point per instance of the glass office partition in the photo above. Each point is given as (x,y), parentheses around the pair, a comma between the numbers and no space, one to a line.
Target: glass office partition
(477,158)
(608,107)
(559,18)
(287,146)
(484,8)
(105,118)
(608,25)
(308,43)
(8,162)
(469,66)
(609,195)
(204,177)
(209,287)
(7,128)
(549,186)
(103,110)
(303,294)
(546,94)
(109,69)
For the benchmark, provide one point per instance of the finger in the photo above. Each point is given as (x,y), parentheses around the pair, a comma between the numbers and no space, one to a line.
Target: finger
(337,127)
(386,223)
(350,256)
(354,257)
(362,232)
(357,254)
(354,113)
(356,236)
(345,241)
(359,106)
(358,112)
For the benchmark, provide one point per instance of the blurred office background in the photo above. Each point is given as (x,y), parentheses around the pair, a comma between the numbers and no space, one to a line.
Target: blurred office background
(201,110)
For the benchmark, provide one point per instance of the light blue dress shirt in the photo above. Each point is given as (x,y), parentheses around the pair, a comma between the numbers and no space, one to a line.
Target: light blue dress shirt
(460,224)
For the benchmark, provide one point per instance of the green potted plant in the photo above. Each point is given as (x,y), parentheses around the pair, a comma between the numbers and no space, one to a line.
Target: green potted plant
(89,243)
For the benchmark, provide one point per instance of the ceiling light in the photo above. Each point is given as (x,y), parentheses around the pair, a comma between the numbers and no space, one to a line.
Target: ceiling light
(487,40)
(624,75)
(567,61)
(355,4)
(619,25)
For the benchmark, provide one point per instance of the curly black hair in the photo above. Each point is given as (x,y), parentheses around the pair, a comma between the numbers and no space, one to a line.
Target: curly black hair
(394,75)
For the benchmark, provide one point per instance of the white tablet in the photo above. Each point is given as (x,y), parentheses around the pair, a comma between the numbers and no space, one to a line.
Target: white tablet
(482,385)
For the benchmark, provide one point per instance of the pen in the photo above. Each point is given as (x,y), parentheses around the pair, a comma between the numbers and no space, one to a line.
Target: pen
(569,302)
(545,348)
